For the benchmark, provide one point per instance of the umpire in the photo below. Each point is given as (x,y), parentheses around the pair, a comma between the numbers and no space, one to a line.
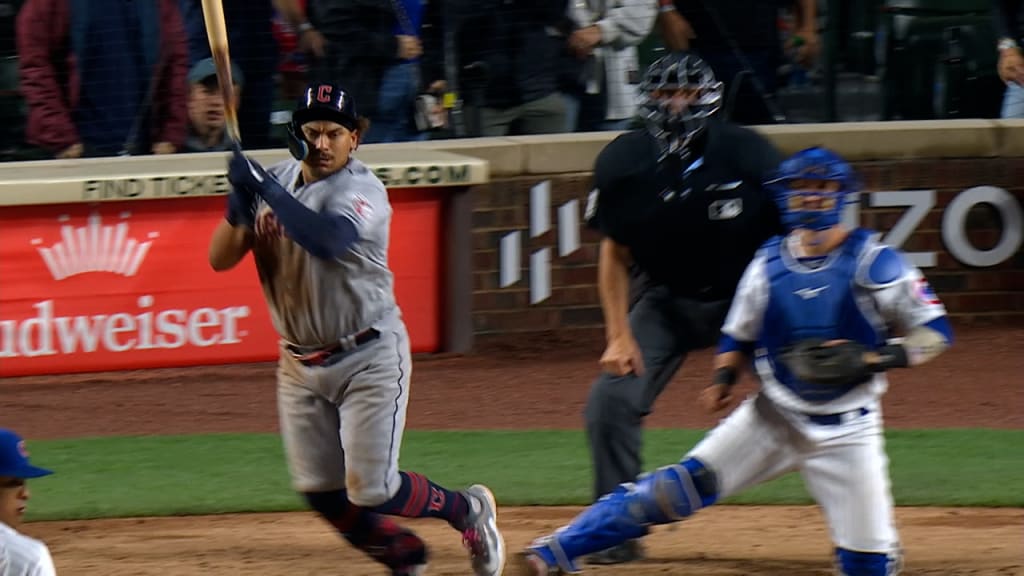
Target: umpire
(681,210)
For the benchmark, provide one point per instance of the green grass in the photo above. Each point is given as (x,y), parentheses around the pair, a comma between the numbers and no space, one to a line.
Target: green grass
(176,475)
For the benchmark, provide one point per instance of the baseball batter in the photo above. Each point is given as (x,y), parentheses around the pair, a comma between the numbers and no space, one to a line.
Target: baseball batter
(318,229)
(813,310)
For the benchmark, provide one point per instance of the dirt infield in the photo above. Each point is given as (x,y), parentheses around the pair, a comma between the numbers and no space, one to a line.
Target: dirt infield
(748,541)
(509,385)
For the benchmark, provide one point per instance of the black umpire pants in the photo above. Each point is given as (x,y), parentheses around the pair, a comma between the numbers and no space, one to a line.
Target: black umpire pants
(666,328)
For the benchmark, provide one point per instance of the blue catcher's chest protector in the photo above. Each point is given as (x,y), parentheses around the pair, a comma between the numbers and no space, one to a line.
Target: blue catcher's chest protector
(818,302)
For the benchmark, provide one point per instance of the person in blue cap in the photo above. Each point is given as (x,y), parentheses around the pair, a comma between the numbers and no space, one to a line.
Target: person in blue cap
(19,554)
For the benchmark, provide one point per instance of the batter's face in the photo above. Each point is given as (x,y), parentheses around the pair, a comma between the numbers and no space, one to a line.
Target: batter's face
(13,496)
(330,145)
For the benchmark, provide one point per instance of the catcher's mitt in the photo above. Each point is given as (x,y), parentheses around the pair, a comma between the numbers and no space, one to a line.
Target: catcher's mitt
(840,364)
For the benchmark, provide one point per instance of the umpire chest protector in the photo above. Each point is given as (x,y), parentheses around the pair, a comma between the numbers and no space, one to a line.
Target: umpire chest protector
(817,302)
(693,227)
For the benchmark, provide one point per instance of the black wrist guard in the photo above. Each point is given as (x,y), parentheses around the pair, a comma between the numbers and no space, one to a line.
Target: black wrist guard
(891,356)
(724,375)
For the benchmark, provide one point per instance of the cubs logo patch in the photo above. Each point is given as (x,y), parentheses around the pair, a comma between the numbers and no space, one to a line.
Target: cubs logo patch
(924,292)
(22,449)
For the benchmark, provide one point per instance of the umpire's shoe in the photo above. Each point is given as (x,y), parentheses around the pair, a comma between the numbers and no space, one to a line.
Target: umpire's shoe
(481,537)
(628,551)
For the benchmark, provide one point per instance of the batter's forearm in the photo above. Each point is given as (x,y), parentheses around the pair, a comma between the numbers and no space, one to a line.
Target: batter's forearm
(613,288)
(228,246)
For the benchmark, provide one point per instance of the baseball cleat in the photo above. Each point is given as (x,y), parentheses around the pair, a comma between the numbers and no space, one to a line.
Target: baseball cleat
(530,564)
(482,538)
(417,570)
(541,559)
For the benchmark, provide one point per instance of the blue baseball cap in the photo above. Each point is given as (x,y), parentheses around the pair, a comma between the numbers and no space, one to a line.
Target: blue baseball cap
(206,68)
(14,457)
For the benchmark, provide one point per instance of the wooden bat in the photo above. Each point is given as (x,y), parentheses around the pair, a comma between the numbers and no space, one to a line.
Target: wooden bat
(217,34)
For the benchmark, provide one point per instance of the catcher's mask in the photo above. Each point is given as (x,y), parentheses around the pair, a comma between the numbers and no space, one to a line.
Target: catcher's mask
(679,93)
(320,101)
(811,188)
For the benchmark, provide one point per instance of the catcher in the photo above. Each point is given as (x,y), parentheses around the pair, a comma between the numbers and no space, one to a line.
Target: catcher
(813,312)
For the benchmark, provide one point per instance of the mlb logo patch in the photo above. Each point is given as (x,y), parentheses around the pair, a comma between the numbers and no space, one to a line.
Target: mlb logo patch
(925,293)
(725,209)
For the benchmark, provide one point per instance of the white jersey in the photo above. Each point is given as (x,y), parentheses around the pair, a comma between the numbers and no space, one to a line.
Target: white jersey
(316,302)
(21,555)
(862,291)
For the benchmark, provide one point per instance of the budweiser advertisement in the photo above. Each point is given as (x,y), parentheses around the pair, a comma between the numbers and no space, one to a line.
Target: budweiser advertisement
(125,285)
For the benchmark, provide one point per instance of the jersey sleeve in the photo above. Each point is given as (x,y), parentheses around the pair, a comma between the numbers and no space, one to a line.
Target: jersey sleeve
(764,159)
(609,207)
(900,290)
(745,319)
(44,566)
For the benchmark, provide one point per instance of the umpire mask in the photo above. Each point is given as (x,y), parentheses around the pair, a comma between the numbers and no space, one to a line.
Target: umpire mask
(679,93)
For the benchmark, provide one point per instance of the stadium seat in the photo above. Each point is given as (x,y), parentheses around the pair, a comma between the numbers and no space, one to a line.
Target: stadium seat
(12,107)
(940,60)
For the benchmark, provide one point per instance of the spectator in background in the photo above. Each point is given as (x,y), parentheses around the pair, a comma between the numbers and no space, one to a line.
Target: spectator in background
(252,46)
(206,120)
(406,78)
(20,555)
(508,52)
(8,13)
(1009,25)
(361,44)
(101,77)
(293,58)
(603,69)
(739,39)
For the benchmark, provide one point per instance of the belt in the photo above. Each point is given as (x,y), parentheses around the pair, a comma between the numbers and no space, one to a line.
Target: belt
(319,356)
(838,418)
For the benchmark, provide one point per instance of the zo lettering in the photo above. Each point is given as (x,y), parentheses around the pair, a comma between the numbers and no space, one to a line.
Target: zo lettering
(954,218)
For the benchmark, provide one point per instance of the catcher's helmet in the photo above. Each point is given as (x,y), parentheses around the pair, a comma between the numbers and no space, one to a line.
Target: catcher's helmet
(813,164)
(320,101)
(672,121)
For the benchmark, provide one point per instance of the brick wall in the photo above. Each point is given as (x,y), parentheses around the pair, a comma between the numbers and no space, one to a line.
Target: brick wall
(994,293)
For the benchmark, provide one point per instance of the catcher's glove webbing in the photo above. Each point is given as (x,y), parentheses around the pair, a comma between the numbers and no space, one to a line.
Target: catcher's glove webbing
(841,364)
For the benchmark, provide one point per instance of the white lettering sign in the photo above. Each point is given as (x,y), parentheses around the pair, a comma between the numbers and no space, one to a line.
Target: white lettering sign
(47,334)
(954,217)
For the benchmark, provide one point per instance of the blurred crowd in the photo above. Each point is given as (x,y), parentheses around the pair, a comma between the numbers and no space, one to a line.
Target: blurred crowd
(86,78)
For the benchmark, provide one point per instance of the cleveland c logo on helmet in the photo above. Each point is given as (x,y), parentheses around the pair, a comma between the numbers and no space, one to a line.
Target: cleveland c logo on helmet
(320,101)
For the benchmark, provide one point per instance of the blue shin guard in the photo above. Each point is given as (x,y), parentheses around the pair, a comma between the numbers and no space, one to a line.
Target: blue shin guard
(854,563)
(666,495)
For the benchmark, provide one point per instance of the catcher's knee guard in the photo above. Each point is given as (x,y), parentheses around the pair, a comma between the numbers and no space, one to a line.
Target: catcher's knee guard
(854,563)
(666,495)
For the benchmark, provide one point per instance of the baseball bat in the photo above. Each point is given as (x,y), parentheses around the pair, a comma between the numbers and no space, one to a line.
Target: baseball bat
(217,34)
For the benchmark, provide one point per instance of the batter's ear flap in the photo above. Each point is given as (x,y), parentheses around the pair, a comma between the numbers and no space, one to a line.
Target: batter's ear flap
(296,143)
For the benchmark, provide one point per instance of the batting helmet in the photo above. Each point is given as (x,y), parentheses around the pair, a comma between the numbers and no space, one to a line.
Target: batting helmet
(320,101)
(672,121)
(819,164)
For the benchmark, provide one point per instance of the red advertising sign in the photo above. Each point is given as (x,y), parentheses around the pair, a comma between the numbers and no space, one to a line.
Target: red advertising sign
(126,285)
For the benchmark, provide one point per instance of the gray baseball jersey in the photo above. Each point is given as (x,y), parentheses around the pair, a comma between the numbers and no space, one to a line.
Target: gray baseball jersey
(342,421)
(316,302)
